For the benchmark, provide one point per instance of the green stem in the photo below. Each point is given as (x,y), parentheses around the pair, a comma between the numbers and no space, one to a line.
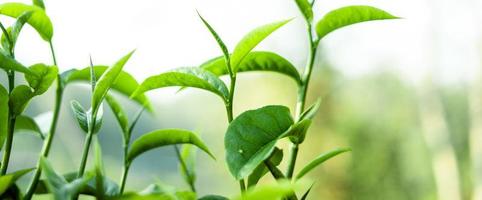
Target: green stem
(277,174)
(124,177)
(47,142)
(185,169)
(302,93)
(8,146)
(85,154)
(53,126)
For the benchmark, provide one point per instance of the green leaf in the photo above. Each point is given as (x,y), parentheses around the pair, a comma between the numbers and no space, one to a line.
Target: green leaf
(256,61)
(185,77)
(297,132)
(119,114)
(273,191)
(26,123)
(311,111)
(8,63)
(213,197)
(4,110)
(107,79)
(39,19)
(319,160)
(19,99)
(8,180)
(306,10)
(251,40)
(14,31)
(98,119)
(80,114)
(188,156)
(160,138)
(160,191)
(45,77)
(58,185)
(126,87)
(261,169)
(218,39)
(252,136)
(305,195)
(39,3)
(349,15)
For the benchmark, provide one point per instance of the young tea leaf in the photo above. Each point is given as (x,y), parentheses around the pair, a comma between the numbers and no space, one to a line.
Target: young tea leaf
(188,157)
(251,40)
(39,19)
(349,15)
(26,123)
(311,111)
(19,98)
(4,110)
(306,10)
(39,3)
(252,136)
(80,114)
(45,77)
(14,31)
(160,138)
(220,42)
(108,79)
(8,63)
(297,132)
(119,114)
(319,160)
(185,77)
(261,169)
(126,87)
(255,61)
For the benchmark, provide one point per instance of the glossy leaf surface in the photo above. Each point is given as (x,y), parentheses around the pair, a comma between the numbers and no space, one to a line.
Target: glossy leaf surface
(119,114)
(8,63)
(39,19)
(185,77)
(46,75)
(251,40)
(255,61)
(19,99)
(305,8)
(252,136)
(349,15)
(160,138)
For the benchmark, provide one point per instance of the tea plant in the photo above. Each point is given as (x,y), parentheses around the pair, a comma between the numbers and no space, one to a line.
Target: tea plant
(250,139)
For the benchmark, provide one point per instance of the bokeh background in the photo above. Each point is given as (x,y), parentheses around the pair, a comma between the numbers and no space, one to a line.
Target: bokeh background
(405,95)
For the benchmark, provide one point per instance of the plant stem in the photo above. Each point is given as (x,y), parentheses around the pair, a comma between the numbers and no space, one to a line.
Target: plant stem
(277,174)
(8,146)
(85,153)
(302,93)
(53,126)
(124,177)
(47,142)
(185,169)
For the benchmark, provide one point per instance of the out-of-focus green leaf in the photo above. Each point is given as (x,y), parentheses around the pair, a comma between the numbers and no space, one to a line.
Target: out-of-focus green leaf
(125,84)
(7,181)
(185,77)
(273,191)
(45,77)
(26,123)
(160,138)
(107,79)
(261,169)
(80,114)
(311,111)
(160,191)
(319,160)
(213,197)
(119,114)
(19,99)
(297,132)
(4,110)
(8,63)
(14,31)
(39,3)
(349,15)
(255,61)
(111,189)
(188,156)
(305,195)
(58,185)
(252,136)
(251,40)
(39,19)
(306,10)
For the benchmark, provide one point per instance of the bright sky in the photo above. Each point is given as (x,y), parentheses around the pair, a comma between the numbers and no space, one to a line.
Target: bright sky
(441,36)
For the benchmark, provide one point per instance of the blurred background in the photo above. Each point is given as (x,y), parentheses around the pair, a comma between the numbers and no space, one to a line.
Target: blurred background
(405,95)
